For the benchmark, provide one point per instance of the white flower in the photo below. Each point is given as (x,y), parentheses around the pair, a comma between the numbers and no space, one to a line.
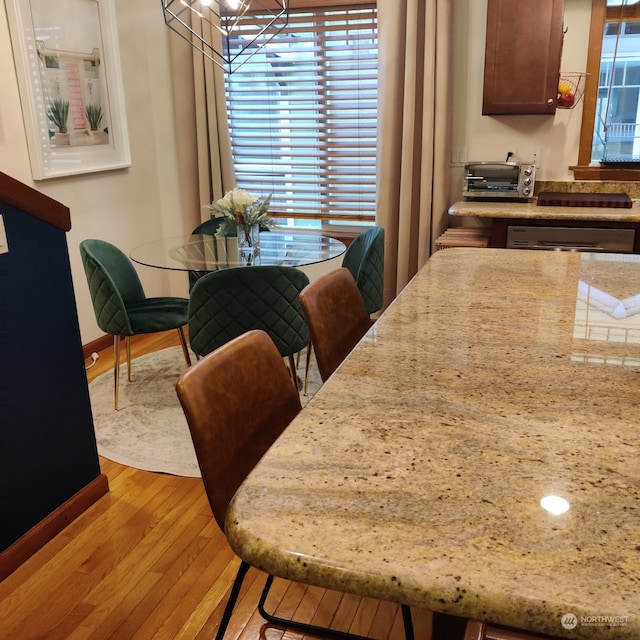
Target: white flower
(236,200)
(241,208)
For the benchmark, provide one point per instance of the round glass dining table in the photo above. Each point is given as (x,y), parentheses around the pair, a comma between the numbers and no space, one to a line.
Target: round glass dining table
(209,253)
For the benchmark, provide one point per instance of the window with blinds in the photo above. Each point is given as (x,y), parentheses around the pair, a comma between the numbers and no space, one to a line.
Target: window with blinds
(616,136)
(302,113)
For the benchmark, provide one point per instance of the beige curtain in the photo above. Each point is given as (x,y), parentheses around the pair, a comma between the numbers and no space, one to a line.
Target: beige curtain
(215,161)
(414,41)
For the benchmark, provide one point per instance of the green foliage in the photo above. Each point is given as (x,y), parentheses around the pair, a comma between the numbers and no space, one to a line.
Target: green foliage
(58,113)
(94,115)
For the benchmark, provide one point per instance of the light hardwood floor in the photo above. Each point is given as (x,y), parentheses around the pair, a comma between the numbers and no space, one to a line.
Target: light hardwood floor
(148,561)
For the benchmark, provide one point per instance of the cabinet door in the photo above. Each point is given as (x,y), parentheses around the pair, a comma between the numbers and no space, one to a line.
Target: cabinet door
(522,56)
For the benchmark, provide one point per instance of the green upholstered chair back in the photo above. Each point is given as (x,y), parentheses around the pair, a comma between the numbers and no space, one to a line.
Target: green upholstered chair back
(364,257)
(209,227)
(225,304)
(113,285)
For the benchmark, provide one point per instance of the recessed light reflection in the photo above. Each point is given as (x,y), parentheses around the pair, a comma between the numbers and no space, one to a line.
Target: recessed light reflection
(554,504)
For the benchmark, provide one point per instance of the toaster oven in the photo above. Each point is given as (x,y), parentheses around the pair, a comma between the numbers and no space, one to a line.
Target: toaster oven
(499,180)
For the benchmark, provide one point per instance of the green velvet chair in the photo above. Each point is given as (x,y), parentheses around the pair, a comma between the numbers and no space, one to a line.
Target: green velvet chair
(364,257)
(121,306)
(210,228)
(206,228)
(227,303)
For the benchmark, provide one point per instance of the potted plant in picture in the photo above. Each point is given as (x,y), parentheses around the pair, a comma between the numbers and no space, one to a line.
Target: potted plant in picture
(94,116)
(244,214)
(96,134)
(58,113)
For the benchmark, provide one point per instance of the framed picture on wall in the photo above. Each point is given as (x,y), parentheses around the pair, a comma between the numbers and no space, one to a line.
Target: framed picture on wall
(68,68)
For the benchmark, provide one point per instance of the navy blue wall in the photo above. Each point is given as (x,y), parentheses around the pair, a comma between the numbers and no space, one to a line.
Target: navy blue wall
(47,442)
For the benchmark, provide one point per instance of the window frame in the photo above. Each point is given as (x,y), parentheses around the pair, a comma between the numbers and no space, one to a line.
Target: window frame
(344,226)
(584,170)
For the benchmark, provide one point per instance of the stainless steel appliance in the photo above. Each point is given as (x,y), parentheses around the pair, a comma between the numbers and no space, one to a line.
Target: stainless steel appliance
(570,238)
(510,181)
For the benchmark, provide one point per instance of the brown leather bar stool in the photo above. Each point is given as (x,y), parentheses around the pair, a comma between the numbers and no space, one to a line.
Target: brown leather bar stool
(230,435)
(337,318)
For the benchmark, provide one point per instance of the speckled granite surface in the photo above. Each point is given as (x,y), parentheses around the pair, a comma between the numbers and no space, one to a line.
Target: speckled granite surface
(531,210)
(415,474)
(632,189)
(480,209)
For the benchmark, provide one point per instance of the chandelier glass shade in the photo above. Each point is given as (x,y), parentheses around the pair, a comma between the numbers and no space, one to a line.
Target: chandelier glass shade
(218,30)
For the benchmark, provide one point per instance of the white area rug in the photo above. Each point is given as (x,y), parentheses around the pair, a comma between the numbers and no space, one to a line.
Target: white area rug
(149,431)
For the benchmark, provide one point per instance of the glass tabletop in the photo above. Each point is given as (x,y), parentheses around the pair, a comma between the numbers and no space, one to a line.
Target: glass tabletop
(208,253)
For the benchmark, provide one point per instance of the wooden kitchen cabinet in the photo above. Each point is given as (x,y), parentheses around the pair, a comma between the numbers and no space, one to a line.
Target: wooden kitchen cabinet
(522,56)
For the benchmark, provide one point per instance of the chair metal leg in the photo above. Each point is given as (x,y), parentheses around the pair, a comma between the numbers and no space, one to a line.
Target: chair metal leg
(408,622)
(306,369)
(116,370)
(292,624)
(292,370)
(127,341)
(183,344)
(233,597)
(323,632)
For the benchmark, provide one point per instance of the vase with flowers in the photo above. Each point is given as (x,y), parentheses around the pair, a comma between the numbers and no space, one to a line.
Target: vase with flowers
(244,214)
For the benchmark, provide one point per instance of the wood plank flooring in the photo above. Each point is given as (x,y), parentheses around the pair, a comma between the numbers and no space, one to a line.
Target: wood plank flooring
(148,561)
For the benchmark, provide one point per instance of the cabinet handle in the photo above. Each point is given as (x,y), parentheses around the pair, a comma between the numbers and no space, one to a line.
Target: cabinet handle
(550,102)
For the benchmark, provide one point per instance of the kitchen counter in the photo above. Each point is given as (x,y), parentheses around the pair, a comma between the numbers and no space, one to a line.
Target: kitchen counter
(416,473)
(501,216)
(531,211)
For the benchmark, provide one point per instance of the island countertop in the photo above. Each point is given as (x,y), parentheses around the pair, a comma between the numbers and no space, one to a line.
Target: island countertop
(532,211)
(417,471)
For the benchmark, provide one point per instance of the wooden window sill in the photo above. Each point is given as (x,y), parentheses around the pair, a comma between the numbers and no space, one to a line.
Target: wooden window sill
(626,174)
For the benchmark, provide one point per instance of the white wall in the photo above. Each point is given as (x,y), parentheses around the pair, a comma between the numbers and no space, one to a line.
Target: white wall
(158,195)
(491,137)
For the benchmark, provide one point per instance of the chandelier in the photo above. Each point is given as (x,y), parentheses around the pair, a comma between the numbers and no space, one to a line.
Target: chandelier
(219,28)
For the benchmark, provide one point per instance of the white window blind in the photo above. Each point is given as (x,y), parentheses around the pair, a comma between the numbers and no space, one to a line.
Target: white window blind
(302,113)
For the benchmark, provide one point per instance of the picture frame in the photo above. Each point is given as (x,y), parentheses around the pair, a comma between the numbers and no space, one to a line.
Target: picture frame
(68,68)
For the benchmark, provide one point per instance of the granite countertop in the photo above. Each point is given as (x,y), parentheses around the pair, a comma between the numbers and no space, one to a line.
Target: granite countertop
(531,211)
(416,473)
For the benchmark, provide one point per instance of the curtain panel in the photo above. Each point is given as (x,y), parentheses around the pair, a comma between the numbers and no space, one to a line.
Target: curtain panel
(215,161)
(414,132)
